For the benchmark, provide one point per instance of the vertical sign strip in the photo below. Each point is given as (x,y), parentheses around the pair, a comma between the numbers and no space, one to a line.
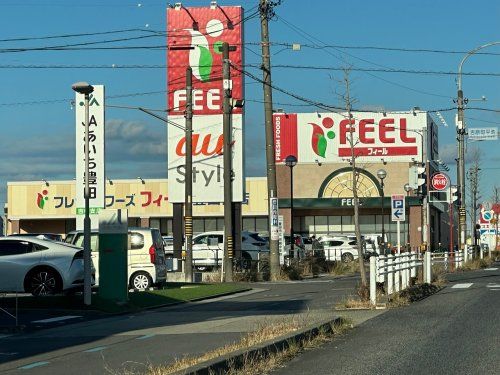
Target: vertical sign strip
(285,136)
(97,177)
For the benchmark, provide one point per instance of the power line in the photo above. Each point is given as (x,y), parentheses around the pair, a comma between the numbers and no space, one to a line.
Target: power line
(312,38)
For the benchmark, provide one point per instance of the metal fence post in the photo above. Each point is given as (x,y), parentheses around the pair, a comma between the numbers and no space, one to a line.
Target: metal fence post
(397,275)
(428,267)
(413,271)
(373,280)
(390,274)
(380,269)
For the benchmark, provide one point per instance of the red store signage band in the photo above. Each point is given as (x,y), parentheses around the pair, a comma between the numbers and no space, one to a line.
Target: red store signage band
(325,137)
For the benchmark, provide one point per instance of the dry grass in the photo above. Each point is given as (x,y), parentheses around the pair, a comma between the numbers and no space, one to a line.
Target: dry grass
(213,277)
(352,302)
(261,334)
(264,364)
(476,264)
(398,300)
(438,275)
(341,268)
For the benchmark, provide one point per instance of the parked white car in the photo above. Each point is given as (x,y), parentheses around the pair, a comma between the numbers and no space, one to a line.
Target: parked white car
(38,266)
(208,248)
(339,249)
(146,256)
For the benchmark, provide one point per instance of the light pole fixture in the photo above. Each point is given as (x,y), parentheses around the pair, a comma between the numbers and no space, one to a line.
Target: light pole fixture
(86,89)
(461,131)
(291,161)
(382,174)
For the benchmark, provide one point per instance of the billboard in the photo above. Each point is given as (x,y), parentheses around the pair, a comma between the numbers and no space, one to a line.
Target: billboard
(325,137)
(208,164)
(97,176)
(194,38)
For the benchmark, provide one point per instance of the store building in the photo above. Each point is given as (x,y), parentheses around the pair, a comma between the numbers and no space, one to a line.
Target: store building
(49,206)
(323,175)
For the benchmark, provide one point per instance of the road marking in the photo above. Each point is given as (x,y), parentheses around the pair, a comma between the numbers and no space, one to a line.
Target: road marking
(9,354)
(33,365)
(97,349)
(493,286)
(58,319)
(491,269)
(145,337)
(495,289)
(462,286)
(4,336)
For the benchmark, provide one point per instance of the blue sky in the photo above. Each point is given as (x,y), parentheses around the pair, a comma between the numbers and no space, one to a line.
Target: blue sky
(35,104)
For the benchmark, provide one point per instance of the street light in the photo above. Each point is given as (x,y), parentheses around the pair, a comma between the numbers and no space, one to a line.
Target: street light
(86,89)
(291,161)
(461,131)
(382,174)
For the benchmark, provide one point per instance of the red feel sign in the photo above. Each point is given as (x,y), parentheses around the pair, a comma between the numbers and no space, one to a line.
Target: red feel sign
(194,38)
(439,181)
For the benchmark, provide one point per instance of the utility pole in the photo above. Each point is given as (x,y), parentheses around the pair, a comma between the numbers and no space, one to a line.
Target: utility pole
(266,11)
(228,170)
(188,201)
(461,166)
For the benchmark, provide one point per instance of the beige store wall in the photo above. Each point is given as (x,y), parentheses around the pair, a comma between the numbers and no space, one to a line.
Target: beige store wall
(150,199)
(308,178)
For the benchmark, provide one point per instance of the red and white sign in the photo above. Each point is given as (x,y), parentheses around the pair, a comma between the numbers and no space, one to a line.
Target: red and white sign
(439,181)
(194,38)
(325,137)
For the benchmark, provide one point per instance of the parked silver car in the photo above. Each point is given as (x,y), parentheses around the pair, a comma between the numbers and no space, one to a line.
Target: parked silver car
(38,266)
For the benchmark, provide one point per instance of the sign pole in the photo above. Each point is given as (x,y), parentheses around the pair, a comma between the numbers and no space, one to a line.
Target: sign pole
(398,228)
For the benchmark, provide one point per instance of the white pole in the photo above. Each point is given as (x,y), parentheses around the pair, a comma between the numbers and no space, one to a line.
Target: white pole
(381,267)
(428,267)
(373,280)
(398,229)
(413,271)
(397,275)
(390,274)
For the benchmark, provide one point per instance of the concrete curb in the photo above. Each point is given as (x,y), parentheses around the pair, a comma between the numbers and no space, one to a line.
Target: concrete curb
(222,364)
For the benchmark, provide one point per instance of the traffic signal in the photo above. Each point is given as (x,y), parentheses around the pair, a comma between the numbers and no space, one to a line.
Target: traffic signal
(417,177)
(455,194)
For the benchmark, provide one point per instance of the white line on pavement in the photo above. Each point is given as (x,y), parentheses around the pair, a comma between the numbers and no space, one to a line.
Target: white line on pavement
(33,365)
(491,269)
(493,286)
(462,286)
(97,349)
(145,337)
(495,289)
(57,319)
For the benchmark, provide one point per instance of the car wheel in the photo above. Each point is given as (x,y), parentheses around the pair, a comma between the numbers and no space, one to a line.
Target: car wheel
(140,281)
(347,257)
(43,282)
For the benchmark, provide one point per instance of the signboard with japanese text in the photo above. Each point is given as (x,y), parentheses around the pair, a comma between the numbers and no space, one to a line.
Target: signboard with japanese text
(36,200)
(398,208)
(439,181)
(194,38)
(97,175)
(325,137)
(483,134)
(208,160)
(273,210)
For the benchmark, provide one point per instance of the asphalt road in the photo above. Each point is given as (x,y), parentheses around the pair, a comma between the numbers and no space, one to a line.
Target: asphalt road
(455,331)
(132,342)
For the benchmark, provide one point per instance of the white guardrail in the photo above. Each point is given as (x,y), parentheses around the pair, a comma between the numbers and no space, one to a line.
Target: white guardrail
(396,271)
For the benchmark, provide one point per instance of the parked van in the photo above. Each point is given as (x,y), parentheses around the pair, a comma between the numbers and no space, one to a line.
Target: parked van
(146,255)
(208,248)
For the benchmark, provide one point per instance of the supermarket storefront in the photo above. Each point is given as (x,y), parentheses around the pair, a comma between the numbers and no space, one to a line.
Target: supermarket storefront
(323,177)
(41,207)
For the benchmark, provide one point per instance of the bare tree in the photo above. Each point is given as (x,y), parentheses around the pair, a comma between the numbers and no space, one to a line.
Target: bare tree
(348,101)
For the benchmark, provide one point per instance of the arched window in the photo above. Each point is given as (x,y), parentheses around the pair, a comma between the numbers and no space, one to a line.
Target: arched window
(339,185)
